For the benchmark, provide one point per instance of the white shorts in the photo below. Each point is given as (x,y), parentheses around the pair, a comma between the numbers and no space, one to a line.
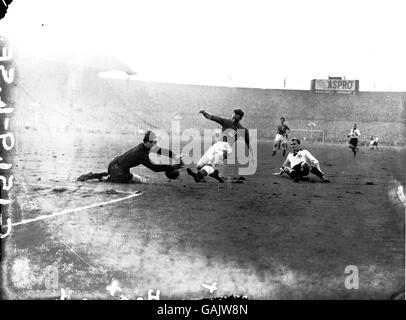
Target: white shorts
(280,138)
(215,154)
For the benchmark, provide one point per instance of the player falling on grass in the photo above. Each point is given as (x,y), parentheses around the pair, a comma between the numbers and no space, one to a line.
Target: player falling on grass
(231,130)
(119,168)
(354,135)
(300,162)
(281,137)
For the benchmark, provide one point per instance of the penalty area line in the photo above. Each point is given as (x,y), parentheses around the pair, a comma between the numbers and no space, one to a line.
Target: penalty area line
(94,205)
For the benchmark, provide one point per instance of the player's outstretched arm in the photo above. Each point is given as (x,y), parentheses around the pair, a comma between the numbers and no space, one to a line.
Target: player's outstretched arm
(161,167)
(166,152)
(212,117)
(206,114)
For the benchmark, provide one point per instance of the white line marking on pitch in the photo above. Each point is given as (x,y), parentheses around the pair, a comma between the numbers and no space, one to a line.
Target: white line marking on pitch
(76,209)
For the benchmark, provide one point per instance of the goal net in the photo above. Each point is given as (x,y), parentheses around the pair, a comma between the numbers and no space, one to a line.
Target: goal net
(312,136)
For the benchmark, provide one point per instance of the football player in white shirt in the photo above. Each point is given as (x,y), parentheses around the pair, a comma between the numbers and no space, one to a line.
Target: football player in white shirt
(373,143)
(300,162)
(354,135)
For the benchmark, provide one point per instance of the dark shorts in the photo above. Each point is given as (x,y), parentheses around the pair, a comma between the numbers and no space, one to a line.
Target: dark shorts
(354,142)
(299,169)
(118,174)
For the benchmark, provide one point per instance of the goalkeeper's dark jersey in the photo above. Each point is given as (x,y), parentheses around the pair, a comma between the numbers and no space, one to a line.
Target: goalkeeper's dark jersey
(140,155)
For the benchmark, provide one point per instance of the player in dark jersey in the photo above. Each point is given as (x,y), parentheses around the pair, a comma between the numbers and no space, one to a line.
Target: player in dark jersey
(231,130)
(119,168)
(281,137)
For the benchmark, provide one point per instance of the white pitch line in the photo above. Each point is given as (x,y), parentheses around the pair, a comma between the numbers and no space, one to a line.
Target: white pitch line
(76,209)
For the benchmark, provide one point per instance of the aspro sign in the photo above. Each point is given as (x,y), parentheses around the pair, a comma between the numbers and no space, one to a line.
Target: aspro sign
(335,86)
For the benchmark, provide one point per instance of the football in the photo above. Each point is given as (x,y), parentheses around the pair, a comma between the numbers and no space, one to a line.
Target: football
(172,174)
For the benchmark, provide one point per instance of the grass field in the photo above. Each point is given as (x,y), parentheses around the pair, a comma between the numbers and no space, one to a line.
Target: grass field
(266,238)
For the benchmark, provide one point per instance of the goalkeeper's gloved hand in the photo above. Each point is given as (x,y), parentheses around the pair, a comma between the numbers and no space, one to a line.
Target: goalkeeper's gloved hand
(179,165)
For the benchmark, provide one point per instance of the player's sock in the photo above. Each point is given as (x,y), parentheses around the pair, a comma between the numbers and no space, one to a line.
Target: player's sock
(201,174)
(320,174)
(91,175)
(88,176)
(325,179)
(100,175)
(317,172)
(196,176)
(284,152)
(216,176)
(273,152)
(84,177)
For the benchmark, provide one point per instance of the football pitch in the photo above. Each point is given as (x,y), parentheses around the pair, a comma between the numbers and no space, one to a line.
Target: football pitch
(264,238)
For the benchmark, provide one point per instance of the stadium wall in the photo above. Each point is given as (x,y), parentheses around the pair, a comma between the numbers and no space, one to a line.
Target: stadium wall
(77,100)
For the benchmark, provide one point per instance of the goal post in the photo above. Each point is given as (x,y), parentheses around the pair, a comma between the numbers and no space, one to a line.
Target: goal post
(306,135)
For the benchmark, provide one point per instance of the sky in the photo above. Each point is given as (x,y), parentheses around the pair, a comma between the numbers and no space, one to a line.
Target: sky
(241,43)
